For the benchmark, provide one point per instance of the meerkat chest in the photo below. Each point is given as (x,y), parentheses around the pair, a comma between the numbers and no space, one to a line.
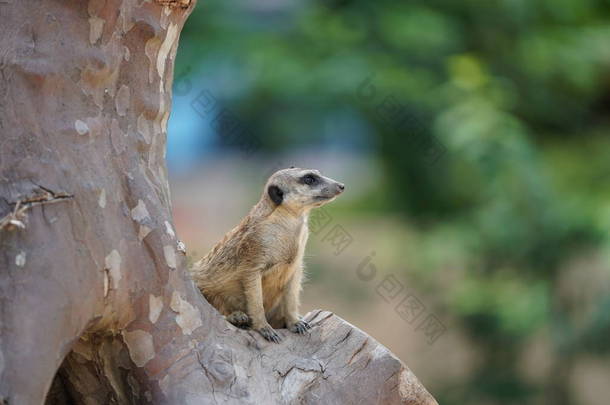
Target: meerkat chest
(299,242)
(303,235)
(286,245)
(289,259)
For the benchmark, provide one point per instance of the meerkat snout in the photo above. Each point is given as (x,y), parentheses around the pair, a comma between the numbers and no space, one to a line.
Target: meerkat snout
(332,190)
(253,276)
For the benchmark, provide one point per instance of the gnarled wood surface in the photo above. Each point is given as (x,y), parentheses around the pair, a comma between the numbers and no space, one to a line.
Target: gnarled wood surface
(91,280)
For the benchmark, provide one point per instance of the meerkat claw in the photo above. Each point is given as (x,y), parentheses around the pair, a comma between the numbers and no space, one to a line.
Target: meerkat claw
(239,319)
(300,327)
(270,334)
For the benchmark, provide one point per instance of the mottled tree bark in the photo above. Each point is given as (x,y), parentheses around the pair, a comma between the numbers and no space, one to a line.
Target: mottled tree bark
(91,280)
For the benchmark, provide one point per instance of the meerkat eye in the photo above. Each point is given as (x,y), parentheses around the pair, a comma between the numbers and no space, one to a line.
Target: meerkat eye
(309,179)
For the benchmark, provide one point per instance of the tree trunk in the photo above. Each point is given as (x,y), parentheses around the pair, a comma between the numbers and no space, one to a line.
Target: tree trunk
(91,280)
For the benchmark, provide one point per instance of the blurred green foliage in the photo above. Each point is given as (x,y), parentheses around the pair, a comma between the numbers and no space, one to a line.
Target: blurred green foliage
(517,95)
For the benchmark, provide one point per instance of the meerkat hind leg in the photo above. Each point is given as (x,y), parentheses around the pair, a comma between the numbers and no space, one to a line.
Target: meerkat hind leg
(239,319)
(290,305)
(253,290)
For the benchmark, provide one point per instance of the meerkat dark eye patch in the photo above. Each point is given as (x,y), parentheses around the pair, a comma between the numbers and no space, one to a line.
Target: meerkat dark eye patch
(309,179)
(276,194)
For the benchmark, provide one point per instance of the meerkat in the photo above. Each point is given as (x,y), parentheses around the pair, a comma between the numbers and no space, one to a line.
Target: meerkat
(253,275)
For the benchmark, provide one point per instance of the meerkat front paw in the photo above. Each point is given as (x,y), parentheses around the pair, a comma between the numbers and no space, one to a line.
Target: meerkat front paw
(270,334)
(239,319)
(299,327)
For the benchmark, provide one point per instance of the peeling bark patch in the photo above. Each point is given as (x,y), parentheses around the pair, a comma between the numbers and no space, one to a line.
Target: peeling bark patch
(81,127)
(139,212)
(166,46)
(98,81)
(155,306)
(164,20)
(188,317)
(96,27)
(102,199)
(113,264)
(140,345)
(20,259)
(106,284)
(164,121)
(150,49)
(170,256)
(164,384)
(175,3)
(122,100)
(169,229)
(117,137)
(143,232)
(144,128)
(181,247)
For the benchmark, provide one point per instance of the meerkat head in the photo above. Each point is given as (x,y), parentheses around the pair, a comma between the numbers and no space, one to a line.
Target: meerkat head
(301,189)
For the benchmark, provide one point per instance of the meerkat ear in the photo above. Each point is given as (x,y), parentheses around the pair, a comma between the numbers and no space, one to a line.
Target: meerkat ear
(276,194)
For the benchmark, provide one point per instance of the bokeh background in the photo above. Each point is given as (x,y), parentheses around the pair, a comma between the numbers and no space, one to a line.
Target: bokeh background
(473,138)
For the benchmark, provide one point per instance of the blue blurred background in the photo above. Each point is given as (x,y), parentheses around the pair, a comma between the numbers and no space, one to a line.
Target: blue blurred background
(473,137)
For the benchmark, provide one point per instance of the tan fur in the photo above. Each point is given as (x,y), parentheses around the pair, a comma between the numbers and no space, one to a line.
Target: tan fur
(257,268)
